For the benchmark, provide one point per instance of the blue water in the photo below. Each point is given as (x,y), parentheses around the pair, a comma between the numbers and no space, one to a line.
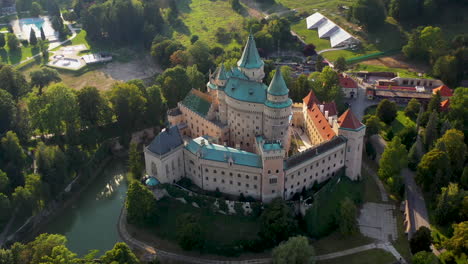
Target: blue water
(38,22)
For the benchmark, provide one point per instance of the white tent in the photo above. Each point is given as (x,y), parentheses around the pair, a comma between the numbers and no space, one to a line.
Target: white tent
(328,29)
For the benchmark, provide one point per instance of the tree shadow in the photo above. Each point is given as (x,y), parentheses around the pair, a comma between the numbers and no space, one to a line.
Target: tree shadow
(387,37)
(184,6)
(179,26)
(14,56)
(3,55)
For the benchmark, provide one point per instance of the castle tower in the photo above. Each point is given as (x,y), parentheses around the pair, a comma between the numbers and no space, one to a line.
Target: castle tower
(272,153)
(354,131)
(250,63)
(277,111)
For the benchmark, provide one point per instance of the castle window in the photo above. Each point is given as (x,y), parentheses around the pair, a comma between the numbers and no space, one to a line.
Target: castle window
(316,174)
(214,179)
(335,155)
(238,175)
(191,162)
(230,174)
(349,149)
(273,180)
(222,181)
(277,171)
(298,173)
(305,170)
(269,171)
(214,171)
(154,170)
(297,183)
(206,178)
(230,182)
(238,184)
(323,171)
(206,170)
(247,185)
(222,172)
(328,168)
(304,180)
(255,186)
(334,165)
(272,191)
(329,158)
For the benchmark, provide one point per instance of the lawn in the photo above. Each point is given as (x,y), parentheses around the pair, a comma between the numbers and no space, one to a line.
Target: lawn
(203,17)
(377,68)
(222,231)
(401,121)
(367,257)
(14,57)
(336,242)
(401,244)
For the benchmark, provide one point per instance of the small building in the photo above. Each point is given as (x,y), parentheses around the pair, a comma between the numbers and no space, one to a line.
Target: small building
(328,29)
(444,91)
(349,86)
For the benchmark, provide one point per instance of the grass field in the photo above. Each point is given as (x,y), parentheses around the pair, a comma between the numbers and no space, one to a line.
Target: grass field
(401,121)
(221,230)
(377,68)
(372,256)
(203,17)
(14,57)
(336,242)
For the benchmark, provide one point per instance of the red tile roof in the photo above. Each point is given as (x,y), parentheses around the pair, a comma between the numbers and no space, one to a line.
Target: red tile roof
(311,99)
(320,122)
(444,91)
(347,82)
(444,105)
(349,120)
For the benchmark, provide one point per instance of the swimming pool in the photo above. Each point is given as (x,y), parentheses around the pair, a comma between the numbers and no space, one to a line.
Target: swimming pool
(37,22)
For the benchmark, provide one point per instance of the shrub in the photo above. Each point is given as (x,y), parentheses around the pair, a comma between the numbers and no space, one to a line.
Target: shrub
(238,208)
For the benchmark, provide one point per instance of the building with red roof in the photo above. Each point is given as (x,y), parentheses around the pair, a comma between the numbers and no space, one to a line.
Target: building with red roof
(349,86)
(444,91)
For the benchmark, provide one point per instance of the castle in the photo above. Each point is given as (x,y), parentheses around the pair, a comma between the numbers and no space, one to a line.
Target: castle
(235,137)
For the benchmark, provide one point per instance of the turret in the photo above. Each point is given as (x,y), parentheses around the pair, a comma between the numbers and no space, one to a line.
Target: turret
(250,63)
(272,153)
(277,111)
(354,131)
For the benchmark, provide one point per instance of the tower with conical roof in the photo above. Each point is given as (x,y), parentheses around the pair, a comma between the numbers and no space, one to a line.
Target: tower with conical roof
(277,110)
(354,131)
(250,63)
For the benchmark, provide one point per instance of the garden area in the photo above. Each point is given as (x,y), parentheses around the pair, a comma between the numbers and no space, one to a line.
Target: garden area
(401,122)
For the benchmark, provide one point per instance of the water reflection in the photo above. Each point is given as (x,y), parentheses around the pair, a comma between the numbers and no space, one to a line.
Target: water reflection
(91,223)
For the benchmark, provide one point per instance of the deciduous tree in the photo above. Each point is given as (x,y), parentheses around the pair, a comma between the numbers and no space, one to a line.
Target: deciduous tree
(295,250)
(373,125)
(340,64)
(453,143)
(421,240)
(431,132)
(128,103)
(175,84)
(189,232)
(424,257)
(412,109)
(434,170)
(43,77)
(7,111)
(12,159)
(140,204)
(386,111)
(32,37)
(12,42)
(121,253)
(347,221)
(369,13)
(278,222)
(93,107)
(13,82)
(457,243)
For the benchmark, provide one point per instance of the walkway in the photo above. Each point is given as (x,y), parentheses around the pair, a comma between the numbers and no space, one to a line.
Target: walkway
(383,192)
(331,49)
(385,246)
(416,210)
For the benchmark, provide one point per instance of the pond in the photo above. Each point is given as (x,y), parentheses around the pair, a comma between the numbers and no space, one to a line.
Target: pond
(91,223)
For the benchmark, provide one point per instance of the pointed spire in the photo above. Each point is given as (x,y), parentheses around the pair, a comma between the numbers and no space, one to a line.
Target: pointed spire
(278,86)
(349,120)
(250,58)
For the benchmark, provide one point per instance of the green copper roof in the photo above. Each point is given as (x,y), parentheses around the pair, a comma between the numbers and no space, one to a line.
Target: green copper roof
(284,104)
(222,73)
(250,58)
(220,153)
(196,104)
(247,91)
(269,145)
(278,86)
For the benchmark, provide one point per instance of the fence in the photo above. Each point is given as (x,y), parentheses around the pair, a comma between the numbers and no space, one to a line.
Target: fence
(373,56)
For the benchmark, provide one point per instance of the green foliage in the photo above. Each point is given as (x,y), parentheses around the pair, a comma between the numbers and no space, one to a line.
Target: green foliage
(457,243)
(60,255)
(140,204)
(278,223)
(295,250)
(319,63)
(13,82)
(458,113)
(449,204)
(434,170)
(326,86)
(369,13)
(403,10)
(93,107)
(121,253)
(154,105)
(52,164)
(431,132)
(12,42)
(424,257)
(425,43)
(412,109)
(300,89)
(421,240)
(7,111)
(393,160)
(373,125)
(200,54)
(162,49)
(197,79)
(223,205)
(434,103)
(135,163)
(446,68)
(32,37)
(12,159)
(43,77)
(236,6)
(408,136)
(127,102)
(5,209)
(340,64)
(453,143)
(239,208)
(2,40)
(347,221)
(386,111)
(189,232)
(175,84)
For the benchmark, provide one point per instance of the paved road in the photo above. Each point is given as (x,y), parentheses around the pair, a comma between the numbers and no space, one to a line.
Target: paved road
(385,246)
(416,206)
(360,103)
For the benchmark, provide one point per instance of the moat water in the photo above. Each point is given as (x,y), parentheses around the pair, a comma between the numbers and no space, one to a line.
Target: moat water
(91,222)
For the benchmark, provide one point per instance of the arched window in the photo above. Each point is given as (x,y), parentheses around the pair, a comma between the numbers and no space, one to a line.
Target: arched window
(154,170)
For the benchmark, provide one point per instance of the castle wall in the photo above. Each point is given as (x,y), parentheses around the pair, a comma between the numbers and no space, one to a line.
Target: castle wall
(354,148)
(167,168)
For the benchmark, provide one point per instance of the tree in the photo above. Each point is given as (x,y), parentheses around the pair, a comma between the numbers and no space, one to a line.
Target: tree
(309,50)
(2,40)
(43,37)
(197,79)
(421,240)
(36,9)
(12,81)
(340,64)
(458,113)
(453,143)
(369,13)
(189,232)
(128,103)
(12,42)
(4,182)
(277,222)
(12,159)
(449,204)
(154,105)
(373,125)
(446,68)
(175,84)
(43,77)
(386,111)
(413,156)
(433,171)
(134,162)
(121,253)
(393,160)
(180,57)
(52,165)
(412,109)
(140,204)
(434,103)
(300,88)
(93,108)
(296,250)
(424,257)
(431,131)
(408,136)
(200,54)
(235,5)
(194,39)
(319,63)
(5,212)
(347,217)
(457,243)
(326,85)
(56,111)
(162,49)
(403,10)
(7,111)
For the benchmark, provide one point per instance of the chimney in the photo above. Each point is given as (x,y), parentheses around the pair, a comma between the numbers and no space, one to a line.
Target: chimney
(326,114)
(330,120)
(321,107)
